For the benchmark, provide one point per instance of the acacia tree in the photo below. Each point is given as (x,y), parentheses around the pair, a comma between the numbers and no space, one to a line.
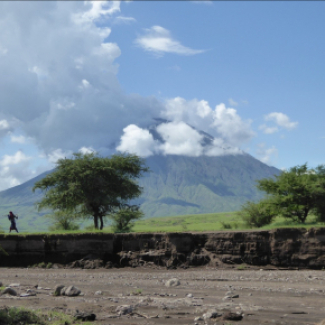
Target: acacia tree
(296,192)
(90,185)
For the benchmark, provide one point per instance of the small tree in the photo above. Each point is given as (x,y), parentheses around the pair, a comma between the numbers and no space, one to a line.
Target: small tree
(62,221)
(123,220)
(258,214)
(89,185)
(296,192)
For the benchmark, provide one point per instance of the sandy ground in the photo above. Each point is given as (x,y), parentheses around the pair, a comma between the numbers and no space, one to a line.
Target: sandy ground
(265,296)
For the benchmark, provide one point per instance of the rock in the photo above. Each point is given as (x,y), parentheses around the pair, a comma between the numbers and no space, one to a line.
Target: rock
(189,295)
(124,310)
(62,291)
(72,291)
(211,314)
(98,293)
(1,284)
(57,289)
(232,316)
(172,282)
(84,316)
(198,319)
(9,291)
(31,292)
(108,265)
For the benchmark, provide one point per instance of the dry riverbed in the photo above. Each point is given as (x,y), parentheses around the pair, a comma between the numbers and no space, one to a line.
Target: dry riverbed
(260,296)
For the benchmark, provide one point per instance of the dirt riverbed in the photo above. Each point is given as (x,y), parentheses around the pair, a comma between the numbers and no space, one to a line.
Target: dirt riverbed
(262,296)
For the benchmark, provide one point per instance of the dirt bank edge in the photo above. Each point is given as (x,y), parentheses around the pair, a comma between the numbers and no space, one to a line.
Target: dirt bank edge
(289,247)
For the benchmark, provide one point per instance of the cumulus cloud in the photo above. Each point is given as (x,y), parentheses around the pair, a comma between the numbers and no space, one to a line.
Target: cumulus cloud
(158,40)
(137,141)
(18,139)
(180,139)
(64,71)
(281,120)
(221,122)
(87,150)
(265,154)
(267,129)
(14,169)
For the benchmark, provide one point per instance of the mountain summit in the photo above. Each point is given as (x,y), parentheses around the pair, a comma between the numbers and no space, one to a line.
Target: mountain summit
(176,184)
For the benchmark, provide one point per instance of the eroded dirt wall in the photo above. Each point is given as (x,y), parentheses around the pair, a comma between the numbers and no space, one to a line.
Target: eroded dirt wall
(280,247)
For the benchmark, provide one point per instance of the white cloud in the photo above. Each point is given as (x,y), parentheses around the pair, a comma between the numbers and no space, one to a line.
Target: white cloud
(231,127)
(17,158)
(159,41)
(14,169)
(87,150)
(97,10)
(281,120)
(221,122)
(137,141)
(220,148)
(125,20)
(18,139)
(180,139)
(266,155)
(51,107)
(268,130)
(232,102)
(57,154)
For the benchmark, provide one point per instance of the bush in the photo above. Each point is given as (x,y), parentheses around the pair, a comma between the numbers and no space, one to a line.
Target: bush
(123,220)
(257,214)
(62,221)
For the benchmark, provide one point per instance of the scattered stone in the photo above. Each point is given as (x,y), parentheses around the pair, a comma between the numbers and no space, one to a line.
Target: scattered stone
(84,316)
(189,295)
(232,316)
(198,319)
(211,314)
(57,290)
(1,284)
(172,282)
(72,291)
(124,310)
(98,293)
(31,292)
(9,291)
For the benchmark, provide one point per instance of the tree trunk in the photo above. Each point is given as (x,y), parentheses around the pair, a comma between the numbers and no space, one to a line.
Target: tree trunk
(96,222)
(101,222)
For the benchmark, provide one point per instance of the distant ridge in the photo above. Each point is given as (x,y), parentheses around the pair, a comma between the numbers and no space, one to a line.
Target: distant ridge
(176,185)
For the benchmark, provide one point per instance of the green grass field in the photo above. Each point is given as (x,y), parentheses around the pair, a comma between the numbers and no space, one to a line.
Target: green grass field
(223,221)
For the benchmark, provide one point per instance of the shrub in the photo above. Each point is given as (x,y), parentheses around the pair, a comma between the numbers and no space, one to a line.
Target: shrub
(257,214)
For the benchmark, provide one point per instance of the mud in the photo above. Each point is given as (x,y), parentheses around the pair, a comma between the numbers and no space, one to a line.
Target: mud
(265,296)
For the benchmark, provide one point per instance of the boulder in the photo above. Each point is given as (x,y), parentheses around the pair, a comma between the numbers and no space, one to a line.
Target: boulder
(211,314)
(172,282)
(57,289)
(124,310)
(84,316)
(9,291)
(72,291)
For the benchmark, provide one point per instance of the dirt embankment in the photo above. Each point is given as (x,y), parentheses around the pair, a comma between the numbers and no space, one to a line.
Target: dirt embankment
(297,248)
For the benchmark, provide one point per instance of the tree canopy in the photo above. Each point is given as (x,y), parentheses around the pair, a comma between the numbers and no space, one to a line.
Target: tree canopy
(296,192)
(90,185)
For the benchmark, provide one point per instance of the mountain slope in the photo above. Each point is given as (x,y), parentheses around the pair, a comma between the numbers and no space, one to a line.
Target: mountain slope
(180,185)
(176,185)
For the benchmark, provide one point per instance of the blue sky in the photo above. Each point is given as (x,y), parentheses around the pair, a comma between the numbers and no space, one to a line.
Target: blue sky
(92,76)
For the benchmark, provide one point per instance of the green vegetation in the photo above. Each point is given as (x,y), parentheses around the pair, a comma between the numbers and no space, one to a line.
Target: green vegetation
(23,316)
(62,221)
(123,220)
(294,195)
(257,214)
(137,292)
(297,192)
(89,185)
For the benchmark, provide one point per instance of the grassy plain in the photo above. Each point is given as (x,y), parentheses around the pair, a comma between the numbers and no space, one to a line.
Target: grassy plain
(200,222)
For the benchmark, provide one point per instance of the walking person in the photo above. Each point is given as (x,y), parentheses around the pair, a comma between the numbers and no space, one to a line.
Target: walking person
(12,218)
